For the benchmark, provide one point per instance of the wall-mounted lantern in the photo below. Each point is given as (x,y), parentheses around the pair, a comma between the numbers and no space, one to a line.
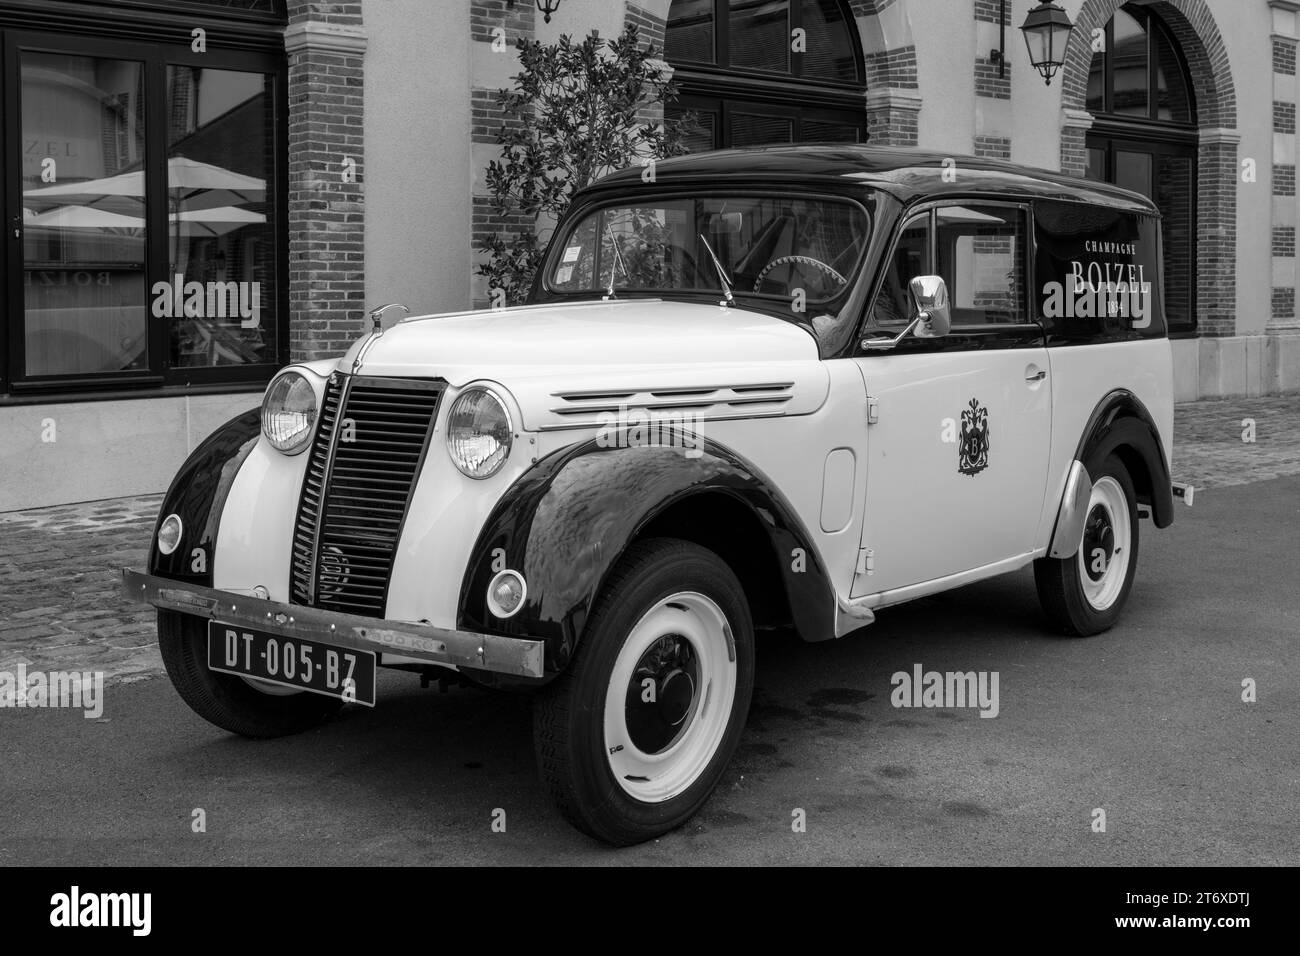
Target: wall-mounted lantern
(544,7)
(1046,30)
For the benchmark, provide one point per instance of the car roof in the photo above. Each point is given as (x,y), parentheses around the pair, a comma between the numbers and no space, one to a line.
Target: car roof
(907,174)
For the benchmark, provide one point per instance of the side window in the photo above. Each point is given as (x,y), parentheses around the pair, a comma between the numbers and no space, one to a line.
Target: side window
(911,258)
(981,256)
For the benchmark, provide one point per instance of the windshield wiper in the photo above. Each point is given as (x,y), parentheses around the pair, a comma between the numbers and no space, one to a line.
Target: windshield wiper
(729,299)
(618,258)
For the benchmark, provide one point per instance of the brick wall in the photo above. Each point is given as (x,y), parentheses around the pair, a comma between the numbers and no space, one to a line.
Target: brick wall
(651,26)
(326,212)
(994,147)
(1284,205)
(487,19)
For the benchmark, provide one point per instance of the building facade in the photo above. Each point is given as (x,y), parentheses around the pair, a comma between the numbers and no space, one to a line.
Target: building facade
(197,192)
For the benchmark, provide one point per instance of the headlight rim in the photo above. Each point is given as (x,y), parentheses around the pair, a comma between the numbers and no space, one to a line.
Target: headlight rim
(496,396)
(310,431)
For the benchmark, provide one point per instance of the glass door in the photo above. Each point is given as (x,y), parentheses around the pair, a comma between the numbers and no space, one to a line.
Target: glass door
(1164,172)
(79,295)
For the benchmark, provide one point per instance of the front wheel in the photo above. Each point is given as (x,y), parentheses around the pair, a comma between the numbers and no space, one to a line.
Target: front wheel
(1084,594)
(250,708)
(634,736)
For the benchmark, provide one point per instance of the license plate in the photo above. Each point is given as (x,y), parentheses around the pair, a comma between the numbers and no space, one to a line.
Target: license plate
(293,662)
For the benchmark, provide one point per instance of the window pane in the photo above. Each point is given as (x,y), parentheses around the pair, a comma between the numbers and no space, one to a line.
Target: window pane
(221,241)
(1175,198)
(1096,165)
(689,36)
(820,131)
(84,291)
(910,259)
(748,129)
(981,257)
(1133,171)
(1097,84)
(829,47)
(1173,98)
(703,136)
(764,243)
(1129,56)
(760,35)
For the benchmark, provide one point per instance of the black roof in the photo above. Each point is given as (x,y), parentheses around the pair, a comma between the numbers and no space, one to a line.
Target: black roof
(906,174)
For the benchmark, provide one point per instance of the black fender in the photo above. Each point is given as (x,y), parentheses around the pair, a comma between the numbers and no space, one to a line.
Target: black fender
(1121,421)
(198,494)
(567,521)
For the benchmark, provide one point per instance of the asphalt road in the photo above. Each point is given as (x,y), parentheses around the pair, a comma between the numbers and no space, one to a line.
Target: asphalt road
(1146,723)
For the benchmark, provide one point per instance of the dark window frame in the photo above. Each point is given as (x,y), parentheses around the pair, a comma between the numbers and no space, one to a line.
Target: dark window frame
(1112,132)
(719,88)
(160,376)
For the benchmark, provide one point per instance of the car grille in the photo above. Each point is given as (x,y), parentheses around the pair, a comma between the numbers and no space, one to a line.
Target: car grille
(362,466)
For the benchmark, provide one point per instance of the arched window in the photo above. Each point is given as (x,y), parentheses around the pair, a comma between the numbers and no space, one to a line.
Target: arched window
(1144,138)
(759,72)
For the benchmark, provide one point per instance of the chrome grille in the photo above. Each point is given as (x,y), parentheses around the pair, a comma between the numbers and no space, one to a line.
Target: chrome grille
(363,464)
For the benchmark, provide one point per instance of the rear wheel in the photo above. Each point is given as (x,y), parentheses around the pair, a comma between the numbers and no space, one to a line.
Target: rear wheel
(245,707)
(1084,594)
(634,736)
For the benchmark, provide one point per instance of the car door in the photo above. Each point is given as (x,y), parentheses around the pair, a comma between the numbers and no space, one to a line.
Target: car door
(957,449)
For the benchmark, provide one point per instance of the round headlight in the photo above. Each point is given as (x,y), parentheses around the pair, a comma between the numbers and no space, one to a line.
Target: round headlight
(289,413)
(478,433)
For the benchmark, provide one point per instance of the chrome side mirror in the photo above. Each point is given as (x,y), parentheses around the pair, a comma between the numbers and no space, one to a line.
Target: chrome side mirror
(934,315)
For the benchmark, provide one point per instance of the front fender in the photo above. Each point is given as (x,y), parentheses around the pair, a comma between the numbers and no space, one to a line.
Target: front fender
(198,494)
(565,524)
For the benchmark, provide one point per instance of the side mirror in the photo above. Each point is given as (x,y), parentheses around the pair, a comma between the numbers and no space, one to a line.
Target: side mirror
(933,315)
(930,296)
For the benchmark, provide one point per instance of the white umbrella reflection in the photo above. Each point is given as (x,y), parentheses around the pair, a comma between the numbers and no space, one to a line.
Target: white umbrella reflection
(190,185)
(84,217)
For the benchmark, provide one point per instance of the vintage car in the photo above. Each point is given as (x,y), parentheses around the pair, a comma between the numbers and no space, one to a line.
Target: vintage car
(774,388)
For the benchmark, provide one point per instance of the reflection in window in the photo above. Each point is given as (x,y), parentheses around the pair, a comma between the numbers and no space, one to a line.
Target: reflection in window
(220,140)
(83,215)
(980,252)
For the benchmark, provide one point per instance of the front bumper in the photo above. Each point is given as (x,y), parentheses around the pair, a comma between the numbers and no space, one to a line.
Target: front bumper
(484,652)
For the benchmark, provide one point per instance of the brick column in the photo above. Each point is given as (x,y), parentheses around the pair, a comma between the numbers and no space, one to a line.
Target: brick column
(1284,164)
(494,28)
(993,120)
(325,44)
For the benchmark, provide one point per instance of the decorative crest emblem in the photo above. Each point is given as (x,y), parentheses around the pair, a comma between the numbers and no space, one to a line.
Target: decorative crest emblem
(973,448)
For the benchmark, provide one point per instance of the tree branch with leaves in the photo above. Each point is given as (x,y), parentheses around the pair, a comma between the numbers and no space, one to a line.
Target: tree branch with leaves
(576,112)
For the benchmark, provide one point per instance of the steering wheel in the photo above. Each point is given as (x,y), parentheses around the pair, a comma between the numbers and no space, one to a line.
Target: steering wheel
(805,260)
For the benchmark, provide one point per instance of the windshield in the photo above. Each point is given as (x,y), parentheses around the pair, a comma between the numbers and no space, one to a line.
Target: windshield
(778,246)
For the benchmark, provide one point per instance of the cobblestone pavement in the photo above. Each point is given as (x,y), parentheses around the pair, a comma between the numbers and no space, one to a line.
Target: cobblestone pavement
(60,609)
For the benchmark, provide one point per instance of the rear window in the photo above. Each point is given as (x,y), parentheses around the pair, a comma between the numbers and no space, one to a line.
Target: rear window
(1098,272)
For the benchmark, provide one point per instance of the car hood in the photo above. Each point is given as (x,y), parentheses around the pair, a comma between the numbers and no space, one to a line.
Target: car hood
(557,359)
(465,345)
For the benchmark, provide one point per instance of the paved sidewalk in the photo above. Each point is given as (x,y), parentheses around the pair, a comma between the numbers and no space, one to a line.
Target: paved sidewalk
(60,610)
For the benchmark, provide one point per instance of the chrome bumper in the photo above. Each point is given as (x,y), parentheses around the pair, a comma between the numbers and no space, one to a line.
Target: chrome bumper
(485,652)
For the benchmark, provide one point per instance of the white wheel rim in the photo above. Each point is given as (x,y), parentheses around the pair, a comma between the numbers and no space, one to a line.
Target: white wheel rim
(686,619)
(269,689)
(1105,552)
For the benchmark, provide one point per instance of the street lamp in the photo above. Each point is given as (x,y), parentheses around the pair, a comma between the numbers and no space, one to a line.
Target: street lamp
(544,7)
(1046,30)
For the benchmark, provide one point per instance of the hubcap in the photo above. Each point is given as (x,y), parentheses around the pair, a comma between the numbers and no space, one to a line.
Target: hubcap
(670,695)
(1107,537)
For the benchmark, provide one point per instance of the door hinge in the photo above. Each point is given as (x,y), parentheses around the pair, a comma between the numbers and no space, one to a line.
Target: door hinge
(873,410)
(866,561)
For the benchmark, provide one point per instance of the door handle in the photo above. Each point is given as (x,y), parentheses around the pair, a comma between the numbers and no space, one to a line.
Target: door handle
(1035,374)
